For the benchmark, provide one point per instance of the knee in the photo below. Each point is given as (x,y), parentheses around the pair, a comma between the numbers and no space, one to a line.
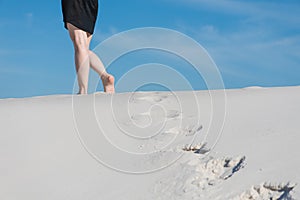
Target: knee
(80,48)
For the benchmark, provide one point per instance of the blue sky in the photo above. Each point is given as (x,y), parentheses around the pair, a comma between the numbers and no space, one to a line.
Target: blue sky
(254,43)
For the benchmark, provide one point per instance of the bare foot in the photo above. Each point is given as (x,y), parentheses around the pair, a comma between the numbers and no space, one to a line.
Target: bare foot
(108,83)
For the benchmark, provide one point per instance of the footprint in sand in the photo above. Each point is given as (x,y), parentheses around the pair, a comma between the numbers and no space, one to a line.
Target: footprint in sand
(171,114)
(200,148)
(149,97)
(189,130)
(214,170)
(156,116)
(169,135)
(197,176)
(275,191)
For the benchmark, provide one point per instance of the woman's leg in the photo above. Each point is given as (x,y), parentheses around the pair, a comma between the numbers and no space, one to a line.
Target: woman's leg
(81,47)
(97,65)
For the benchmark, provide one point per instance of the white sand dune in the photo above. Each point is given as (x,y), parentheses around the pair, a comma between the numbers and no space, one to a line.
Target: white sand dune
(152,145)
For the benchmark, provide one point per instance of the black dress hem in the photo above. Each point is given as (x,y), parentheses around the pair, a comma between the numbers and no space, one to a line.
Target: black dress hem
(80,13)
(79,26)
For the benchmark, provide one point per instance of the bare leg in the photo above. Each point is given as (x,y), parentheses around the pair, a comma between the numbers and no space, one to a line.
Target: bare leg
(97,65)
(81,47)
(85,58)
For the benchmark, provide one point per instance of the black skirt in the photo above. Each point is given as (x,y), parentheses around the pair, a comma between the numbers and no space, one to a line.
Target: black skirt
(80,13)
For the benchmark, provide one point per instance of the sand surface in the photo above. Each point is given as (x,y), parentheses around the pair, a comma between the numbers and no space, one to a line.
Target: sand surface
(237,144)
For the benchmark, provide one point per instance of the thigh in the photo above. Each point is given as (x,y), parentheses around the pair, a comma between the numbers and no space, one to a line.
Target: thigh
(78,36)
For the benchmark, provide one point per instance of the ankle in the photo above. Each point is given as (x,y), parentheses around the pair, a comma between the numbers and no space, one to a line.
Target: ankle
(104,75)
(82,91)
